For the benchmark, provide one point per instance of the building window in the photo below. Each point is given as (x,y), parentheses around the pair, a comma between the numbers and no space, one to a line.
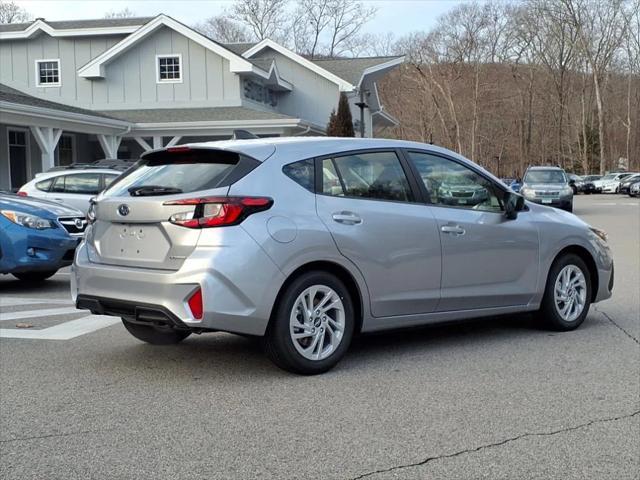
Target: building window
(66,150)
(169,68)
(48,73)
(18,155)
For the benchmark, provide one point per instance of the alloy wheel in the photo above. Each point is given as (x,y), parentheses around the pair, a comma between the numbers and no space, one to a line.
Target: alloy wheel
(570,293)
(317,322)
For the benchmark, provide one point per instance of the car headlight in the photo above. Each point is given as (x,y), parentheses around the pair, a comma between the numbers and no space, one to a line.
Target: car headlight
(600,233)
(566,191)
(528,192)
(91,213)
(26,220)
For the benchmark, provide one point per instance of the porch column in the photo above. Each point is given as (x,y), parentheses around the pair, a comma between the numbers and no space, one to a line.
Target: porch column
(110,145)
(47,139)
(157,143)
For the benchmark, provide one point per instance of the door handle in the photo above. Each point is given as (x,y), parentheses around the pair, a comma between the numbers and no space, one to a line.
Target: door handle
(347,218)
(453,230)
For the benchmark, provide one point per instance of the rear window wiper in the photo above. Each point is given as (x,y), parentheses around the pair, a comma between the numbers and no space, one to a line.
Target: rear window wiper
(150,190)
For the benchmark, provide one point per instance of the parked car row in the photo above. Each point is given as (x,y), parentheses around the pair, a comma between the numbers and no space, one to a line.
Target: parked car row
(589,184)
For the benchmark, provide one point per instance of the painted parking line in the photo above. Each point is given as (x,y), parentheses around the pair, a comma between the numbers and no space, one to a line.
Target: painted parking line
(20,301)
(64,331)
(49,312)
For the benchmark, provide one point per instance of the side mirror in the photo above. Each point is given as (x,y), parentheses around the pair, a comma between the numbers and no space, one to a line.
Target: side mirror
(513,203)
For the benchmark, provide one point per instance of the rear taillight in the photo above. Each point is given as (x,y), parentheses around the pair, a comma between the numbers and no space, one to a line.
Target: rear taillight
(22,194)
(195,304)
(218,211)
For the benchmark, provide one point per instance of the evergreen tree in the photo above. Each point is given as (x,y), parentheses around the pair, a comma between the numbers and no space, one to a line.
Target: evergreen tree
(340,123)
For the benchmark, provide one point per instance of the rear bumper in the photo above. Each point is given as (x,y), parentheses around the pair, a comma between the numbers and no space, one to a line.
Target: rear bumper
(239,285)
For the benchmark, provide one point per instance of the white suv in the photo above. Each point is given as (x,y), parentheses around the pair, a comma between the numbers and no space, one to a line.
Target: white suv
(71,187)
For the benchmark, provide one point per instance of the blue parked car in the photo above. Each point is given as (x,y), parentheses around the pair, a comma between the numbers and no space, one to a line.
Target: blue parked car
(37,237)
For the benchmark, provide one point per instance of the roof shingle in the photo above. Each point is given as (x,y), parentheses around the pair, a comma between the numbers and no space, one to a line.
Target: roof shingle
(351,69)
(73,24)
(213,114)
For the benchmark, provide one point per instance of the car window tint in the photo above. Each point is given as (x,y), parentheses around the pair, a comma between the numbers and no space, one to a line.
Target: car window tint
(83,183)
(108,179)
(376,175)
(545,176)
(58,184)
(452,184)
(302,173)
(44,185)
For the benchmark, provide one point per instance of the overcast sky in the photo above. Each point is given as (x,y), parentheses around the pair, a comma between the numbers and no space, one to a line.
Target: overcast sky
(398,16)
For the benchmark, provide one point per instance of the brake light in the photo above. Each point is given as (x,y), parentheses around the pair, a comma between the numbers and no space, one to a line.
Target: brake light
(22,194)
(178,149)
(218,211)
(195,304)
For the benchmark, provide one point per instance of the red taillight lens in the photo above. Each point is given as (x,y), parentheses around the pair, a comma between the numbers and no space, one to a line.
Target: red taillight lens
(218,211)
(22,194)
(195,304)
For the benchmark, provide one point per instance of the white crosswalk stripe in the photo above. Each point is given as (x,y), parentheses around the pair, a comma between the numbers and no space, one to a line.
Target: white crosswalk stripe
(63,331)
(43,312)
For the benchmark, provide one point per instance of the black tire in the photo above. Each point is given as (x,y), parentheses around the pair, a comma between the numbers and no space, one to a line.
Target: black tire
(35,276)
(277,342)
(155,335)
(548,314)
(570,208)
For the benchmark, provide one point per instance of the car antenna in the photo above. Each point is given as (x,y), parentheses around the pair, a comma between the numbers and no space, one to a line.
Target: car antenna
(243,135)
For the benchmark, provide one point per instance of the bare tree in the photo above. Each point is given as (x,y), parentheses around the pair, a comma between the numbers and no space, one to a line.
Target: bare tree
(600,29)
(10,12)
(124,13)
(223,29)
(265,18)
(312,17)
(347,17)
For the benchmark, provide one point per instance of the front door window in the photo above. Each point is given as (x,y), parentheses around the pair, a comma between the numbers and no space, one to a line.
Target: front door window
(18,158)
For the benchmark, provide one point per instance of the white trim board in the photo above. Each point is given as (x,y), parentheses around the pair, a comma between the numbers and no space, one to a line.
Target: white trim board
(95,68)
(41,26)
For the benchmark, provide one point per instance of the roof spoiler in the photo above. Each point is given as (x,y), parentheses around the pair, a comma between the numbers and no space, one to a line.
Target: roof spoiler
(243,135)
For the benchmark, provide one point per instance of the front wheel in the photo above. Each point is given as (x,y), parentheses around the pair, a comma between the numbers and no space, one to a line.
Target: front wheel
(155,335)
(312,325)
(35,276)
(567,295)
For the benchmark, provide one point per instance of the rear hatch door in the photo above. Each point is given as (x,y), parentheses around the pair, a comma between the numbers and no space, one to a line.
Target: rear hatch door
(131,218)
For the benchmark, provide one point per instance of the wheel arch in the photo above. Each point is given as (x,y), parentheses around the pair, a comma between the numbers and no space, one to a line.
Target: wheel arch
(588,259)
(339,271)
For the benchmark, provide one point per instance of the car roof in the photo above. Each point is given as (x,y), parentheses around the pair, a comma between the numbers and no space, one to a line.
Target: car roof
(290,149)
(549,167)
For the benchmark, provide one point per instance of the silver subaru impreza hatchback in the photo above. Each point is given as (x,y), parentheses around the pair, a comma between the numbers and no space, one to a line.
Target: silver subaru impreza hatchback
(306,242)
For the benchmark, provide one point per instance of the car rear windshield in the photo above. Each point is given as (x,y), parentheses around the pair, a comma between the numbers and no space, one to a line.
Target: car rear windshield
(172,172)
(545,176)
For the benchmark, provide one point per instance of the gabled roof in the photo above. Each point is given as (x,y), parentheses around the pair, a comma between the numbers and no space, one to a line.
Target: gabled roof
(268,43)
(239,48)
(353,69)
(70,28)
(95,68)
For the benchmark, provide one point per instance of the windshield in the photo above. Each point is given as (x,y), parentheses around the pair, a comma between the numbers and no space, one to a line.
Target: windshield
(611,176)
(545,176)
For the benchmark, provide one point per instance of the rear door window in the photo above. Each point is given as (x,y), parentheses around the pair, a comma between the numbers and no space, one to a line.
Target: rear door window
(167,172)
(44,185)
(82,184)
(374,175)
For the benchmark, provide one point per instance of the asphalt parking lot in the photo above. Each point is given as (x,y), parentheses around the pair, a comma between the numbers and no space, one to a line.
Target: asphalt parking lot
(498,398)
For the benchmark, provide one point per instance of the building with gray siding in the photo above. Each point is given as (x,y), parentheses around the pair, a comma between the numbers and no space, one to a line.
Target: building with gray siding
(79,91)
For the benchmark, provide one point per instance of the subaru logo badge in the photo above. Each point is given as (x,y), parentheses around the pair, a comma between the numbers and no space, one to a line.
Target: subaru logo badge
(78,223)
(123,210)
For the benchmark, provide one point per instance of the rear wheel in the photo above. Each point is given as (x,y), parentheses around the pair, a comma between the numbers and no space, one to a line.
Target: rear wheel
(312,325)
(35,276)
(155,335)
(567,295)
